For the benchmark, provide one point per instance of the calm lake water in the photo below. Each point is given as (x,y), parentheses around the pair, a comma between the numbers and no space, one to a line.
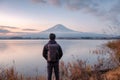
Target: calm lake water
(26,55)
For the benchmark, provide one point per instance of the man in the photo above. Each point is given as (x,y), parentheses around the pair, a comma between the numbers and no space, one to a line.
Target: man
(52,52)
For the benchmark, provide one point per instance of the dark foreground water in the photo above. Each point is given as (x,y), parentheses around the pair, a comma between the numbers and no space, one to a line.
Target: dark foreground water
(26,55)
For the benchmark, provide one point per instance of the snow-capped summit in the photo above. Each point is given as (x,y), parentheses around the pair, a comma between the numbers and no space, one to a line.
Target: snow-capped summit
(59,28)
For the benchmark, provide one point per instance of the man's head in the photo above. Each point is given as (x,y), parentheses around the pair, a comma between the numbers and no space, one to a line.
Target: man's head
(52,36)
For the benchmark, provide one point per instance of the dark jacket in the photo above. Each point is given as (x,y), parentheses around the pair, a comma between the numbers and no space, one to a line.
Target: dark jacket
(45,49)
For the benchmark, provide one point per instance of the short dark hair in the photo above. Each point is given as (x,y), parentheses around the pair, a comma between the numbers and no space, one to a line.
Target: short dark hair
(52,36)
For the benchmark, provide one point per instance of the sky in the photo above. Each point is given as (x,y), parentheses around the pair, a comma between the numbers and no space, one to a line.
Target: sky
(98,16)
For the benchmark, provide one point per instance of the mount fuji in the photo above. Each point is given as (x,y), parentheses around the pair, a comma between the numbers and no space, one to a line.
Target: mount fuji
(64,32)
(58,29)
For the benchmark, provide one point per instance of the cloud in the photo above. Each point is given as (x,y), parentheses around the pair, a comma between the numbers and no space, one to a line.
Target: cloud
(38,1)
(8,27)
(71,4)
(55,2)
(104,8)
(29,30)
(4,31)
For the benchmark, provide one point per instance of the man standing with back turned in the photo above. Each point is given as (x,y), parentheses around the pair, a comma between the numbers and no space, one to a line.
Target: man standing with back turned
(52,52)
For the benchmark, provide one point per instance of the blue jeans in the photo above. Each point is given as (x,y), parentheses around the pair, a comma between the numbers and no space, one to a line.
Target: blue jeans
(50,67)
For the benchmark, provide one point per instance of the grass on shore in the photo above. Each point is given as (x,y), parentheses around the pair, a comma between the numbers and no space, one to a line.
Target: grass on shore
(12,74)
(78,70)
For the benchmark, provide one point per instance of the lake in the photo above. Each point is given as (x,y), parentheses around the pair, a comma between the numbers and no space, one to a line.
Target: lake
(26,55)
